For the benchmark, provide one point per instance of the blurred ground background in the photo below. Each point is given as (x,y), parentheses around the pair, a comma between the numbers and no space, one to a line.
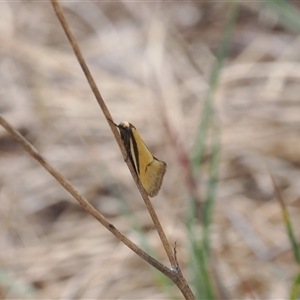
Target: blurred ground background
(145,57)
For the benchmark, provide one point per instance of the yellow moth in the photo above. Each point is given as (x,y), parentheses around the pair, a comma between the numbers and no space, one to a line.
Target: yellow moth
(148,168)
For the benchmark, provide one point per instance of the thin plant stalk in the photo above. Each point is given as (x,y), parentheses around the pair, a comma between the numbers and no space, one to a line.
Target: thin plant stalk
(116,134)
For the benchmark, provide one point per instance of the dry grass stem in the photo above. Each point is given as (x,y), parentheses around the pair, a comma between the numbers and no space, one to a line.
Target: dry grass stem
(106,113)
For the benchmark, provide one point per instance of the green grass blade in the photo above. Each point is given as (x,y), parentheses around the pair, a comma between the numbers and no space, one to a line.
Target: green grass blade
(287,222)
(200,241)
(294,292)
(206,116)
(295,289)
(288,14)
(211,189)
(291,235)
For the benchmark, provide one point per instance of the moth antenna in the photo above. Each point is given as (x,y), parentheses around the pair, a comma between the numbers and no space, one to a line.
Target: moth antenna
(111,121)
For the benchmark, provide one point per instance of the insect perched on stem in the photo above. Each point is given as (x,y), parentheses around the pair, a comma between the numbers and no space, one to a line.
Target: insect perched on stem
(148,168)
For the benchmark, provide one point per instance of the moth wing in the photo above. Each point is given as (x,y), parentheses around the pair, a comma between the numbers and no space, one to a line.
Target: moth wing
(149,169)
(154,174)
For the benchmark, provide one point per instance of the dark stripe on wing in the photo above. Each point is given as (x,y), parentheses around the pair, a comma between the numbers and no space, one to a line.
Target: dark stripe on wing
(127,136)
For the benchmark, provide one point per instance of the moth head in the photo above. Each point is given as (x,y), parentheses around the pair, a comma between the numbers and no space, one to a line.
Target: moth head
(125,126)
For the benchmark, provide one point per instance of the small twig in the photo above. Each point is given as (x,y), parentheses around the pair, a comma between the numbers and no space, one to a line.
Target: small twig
(106,113)
(175,255)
